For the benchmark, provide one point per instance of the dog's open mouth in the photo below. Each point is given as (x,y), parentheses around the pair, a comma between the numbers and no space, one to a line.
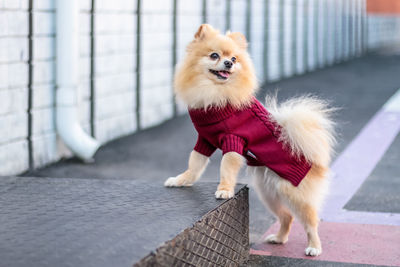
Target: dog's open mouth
(221,74)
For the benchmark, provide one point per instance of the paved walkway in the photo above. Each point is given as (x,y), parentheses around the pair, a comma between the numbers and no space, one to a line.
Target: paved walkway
(366,166)
(61,222)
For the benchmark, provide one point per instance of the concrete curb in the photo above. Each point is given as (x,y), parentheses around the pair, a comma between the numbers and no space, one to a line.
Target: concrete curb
(219,238)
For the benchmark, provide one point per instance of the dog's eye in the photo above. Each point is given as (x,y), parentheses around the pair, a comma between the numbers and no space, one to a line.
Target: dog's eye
(233,59)
(214,56)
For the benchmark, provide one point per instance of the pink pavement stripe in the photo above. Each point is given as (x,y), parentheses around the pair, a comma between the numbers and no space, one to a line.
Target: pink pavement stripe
(342,242)
(259,252)
(356,163)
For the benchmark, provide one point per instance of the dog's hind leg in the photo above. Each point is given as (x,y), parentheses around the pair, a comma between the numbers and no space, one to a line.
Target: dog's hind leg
(285,220)
(306,211)
(265,188)
(309,218)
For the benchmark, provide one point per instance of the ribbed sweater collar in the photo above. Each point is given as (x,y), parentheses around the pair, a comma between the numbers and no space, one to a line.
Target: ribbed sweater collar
(212,114)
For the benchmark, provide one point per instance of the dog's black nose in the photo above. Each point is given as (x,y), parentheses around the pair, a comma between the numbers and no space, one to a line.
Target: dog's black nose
(228,64)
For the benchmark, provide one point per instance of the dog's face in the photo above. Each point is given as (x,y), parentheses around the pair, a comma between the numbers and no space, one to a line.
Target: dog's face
(216,70)
(220,60)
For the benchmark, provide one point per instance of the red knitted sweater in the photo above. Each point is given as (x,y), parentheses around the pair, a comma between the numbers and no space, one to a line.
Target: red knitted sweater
(249,132)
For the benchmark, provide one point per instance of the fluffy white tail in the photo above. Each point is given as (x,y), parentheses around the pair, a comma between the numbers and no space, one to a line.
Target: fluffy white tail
(307,128)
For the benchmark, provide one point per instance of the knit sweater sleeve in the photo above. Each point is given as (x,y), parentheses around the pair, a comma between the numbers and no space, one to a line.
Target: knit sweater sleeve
(232,143)
(204,147)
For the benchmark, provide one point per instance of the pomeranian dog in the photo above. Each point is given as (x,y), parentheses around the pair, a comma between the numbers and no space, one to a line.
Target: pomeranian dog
(288,147)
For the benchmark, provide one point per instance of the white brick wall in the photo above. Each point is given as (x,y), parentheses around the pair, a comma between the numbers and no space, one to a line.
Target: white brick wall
(322,7)
(84,65)
(15,22)
(156,71)
(188,21)
(14,157)
(14,4)
(347,23)
(311,60)
(216,12)
(273,44)
(238,16)
(287,47)
(44,148)
(15,127)
(328,40)
(330,32)
(43,4)
(13,87)
(16,100)
(380,31)
(43,83)
(257,37)
(115,63)
(189,18)
(359,25)
(13,49)
(300,37)
(337,5)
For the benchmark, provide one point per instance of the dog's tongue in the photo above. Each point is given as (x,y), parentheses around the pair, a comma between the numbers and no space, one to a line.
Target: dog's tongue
(224,74)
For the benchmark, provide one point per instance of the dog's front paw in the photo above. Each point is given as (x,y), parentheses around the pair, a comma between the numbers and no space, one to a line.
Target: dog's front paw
(310,251)
(176,182)
(224,194)
(274,239)
(172,182)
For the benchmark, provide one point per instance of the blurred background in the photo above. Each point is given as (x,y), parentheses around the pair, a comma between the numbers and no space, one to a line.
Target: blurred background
(128,49)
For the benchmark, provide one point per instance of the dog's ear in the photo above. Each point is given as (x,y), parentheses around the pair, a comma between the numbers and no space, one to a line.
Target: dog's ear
(239,39)
(204,31)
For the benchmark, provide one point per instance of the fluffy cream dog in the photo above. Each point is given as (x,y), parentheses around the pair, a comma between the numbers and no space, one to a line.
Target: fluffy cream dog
(289,160)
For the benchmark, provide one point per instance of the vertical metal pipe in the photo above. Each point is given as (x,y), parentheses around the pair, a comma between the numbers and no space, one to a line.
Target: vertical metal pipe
(324,53)
(305,34)
(281,40)
(364,23)
(266,40)
(92,69)
(333,33)
(67,54)
(174,49)
(138,62)
(248,22)
(344,30)
(204,11)
(30,85)
(356,28)
(351,29)
(294,37)
(228,15)
(316,33)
